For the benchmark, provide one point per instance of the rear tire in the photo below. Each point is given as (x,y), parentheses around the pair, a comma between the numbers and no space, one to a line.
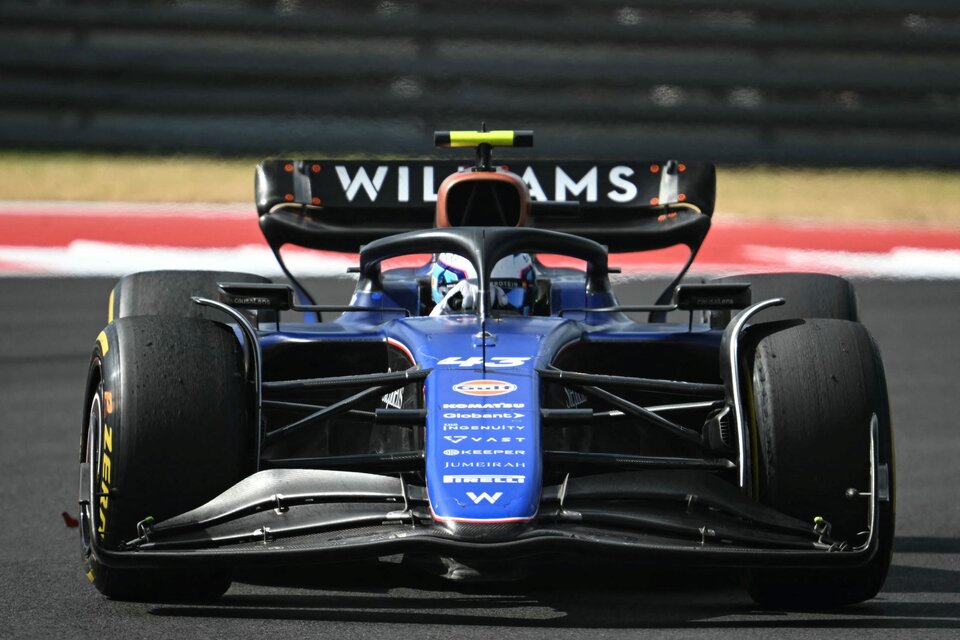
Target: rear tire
(167,429)
(815,386)
(807,295)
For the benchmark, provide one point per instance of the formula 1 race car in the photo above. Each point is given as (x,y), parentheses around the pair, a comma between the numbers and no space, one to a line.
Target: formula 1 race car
(485,402)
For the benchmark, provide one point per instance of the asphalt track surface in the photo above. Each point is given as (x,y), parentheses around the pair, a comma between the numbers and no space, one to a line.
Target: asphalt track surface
(47,327)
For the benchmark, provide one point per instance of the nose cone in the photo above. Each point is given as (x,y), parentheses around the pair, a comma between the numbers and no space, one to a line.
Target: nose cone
(483,444)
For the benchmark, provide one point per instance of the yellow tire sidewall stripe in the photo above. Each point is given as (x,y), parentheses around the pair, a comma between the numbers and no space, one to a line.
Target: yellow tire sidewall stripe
(102,341)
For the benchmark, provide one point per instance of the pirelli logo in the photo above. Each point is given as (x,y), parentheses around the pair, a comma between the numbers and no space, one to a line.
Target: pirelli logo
(483,479)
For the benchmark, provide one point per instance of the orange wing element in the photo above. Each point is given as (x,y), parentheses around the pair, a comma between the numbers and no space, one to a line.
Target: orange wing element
(483,199)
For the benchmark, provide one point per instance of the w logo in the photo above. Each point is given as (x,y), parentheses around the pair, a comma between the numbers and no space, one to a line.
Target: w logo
(477,499)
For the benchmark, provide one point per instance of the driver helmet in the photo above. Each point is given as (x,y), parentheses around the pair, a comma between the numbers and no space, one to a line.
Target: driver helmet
(448,269)
(516,278)
(513,280)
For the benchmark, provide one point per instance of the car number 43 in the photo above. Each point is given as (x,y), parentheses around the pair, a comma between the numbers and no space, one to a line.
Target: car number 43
(476,361)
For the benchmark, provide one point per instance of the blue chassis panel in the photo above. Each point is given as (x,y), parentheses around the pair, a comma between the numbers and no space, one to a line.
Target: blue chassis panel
(483,454)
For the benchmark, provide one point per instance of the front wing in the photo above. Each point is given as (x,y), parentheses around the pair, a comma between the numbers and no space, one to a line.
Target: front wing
(278,517)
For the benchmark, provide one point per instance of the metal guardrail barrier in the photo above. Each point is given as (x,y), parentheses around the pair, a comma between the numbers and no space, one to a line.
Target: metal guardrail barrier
(864,82)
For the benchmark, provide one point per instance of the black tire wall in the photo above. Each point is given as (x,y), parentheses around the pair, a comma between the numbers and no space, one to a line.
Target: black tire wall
(816,384)
(168,293)
(176,433)
(808,295)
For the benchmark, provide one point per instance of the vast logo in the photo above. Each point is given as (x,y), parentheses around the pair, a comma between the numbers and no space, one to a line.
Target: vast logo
(459,439)
(478,498)
(484,387)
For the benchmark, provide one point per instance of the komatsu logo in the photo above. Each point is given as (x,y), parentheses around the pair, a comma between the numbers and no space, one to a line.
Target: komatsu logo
(483,405)
(484,387)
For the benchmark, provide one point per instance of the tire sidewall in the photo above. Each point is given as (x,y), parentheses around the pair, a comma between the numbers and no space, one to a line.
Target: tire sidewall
(100,446)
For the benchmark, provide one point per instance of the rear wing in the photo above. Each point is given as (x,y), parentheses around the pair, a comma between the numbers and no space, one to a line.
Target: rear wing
(628,206)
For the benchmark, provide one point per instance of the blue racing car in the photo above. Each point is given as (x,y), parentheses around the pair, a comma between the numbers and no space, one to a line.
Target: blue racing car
(484,403)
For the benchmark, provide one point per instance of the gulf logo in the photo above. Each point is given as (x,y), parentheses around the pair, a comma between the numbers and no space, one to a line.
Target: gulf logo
(484,387)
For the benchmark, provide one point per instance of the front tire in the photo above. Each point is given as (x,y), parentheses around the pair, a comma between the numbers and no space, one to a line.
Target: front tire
(815,387)
(168,293)
(167,429)
(807,295)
